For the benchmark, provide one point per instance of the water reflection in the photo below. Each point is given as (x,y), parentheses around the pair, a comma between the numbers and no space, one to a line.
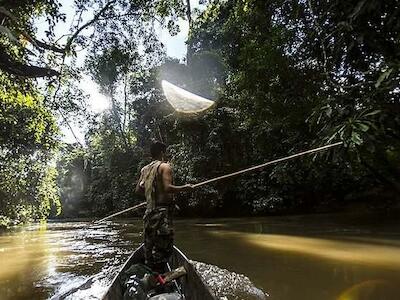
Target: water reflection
(40,261)
(310,257)
(364,252)
(305,258)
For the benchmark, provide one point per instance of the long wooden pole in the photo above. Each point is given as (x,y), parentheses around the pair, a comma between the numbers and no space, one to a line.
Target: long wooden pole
(123,211)
(266,164)
(234,174)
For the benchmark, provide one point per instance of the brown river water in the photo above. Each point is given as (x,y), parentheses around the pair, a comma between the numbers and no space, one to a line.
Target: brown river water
(344,257)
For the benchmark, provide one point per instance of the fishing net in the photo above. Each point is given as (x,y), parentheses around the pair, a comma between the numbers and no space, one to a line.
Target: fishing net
(183,101)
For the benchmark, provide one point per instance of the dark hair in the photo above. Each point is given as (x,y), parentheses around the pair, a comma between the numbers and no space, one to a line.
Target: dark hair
(156,148)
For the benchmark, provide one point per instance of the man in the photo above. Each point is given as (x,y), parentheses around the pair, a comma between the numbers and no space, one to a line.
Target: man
(156,183)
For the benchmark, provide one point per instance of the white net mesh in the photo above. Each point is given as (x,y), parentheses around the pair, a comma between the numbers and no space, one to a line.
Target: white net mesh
(183,101)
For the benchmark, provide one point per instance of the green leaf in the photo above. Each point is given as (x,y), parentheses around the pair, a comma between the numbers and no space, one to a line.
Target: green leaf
(383,77)
(363,127)
(357,9)
(356,138)
(373,113)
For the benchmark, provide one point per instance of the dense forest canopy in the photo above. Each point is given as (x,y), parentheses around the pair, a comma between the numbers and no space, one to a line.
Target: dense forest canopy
(287,76)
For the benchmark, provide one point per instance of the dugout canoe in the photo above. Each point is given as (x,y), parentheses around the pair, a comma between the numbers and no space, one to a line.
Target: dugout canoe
(191,285)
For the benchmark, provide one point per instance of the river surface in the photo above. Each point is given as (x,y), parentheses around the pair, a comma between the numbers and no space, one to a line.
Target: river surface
(344,257)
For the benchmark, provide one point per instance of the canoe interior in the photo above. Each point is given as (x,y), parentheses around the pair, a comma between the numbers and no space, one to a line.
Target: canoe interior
(192,286)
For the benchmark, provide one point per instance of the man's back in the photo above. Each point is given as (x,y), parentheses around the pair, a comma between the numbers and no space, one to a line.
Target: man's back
(156,183)
(155,180)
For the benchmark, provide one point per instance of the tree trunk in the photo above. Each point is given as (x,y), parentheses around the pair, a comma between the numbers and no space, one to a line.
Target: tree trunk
(189,52)
(117,120)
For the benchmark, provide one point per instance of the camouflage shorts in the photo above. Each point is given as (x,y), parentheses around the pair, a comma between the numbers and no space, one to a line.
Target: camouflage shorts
(158,237)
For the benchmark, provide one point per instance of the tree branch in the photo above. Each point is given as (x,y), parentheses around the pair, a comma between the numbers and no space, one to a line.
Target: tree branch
(11,66)
(42,45)
(38,44)
(70,128)
(84,26)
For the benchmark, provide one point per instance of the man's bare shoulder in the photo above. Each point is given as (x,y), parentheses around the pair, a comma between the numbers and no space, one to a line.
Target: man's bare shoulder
(165,167)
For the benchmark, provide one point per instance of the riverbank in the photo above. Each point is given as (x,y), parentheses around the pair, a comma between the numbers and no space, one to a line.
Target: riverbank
(370,204)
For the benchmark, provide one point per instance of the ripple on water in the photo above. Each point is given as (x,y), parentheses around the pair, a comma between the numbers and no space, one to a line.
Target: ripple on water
(88,258)
(228,285)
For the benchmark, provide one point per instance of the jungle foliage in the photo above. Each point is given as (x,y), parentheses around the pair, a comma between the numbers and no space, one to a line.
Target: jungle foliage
(28,139)
(287,76)
(30,107)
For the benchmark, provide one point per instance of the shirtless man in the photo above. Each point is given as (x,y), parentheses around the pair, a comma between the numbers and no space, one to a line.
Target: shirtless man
(156,183)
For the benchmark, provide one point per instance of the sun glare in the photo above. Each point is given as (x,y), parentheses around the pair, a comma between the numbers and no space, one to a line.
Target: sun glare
(97,101)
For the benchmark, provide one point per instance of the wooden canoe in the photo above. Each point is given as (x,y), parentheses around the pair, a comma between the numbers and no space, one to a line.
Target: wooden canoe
(191,285)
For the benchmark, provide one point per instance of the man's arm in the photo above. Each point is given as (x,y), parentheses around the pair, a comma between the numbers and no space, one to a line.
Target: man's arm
(166,173)
(140,184)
